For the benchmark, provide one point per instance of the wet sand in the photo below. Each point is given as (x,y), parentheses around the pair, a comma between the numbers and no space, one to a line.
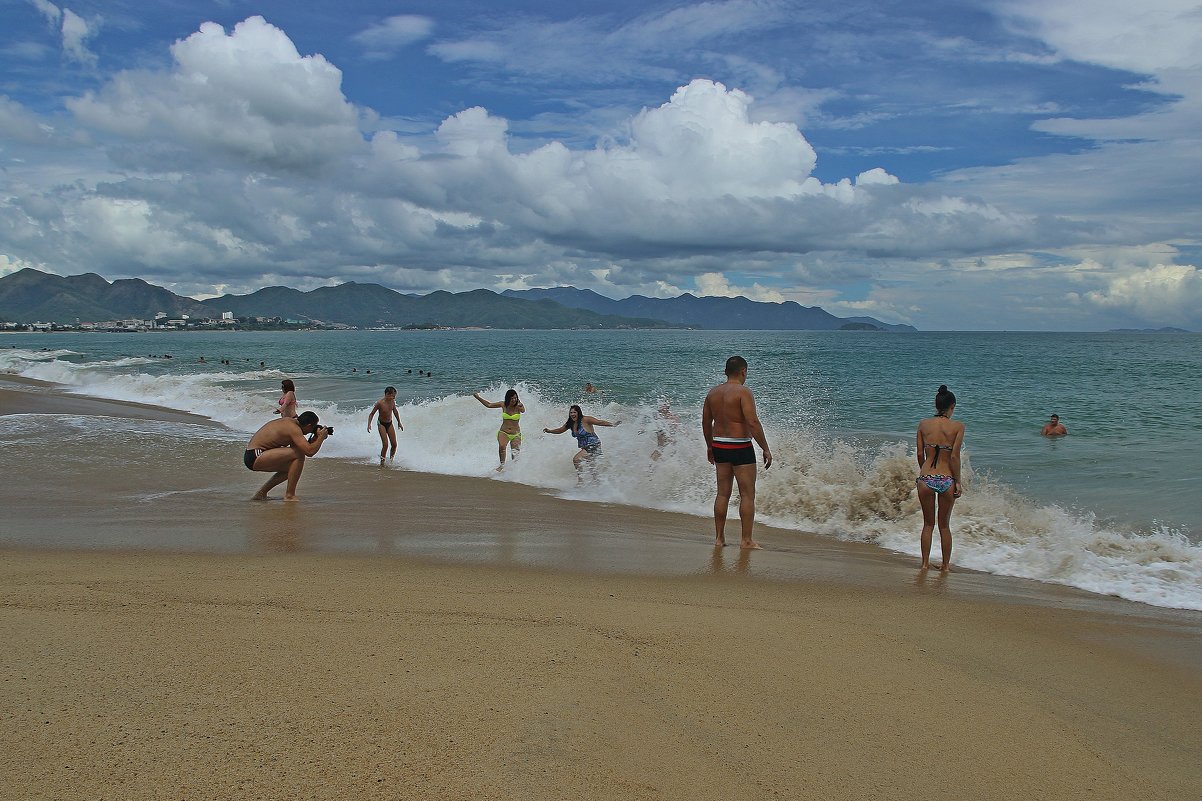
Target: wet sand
(407,636)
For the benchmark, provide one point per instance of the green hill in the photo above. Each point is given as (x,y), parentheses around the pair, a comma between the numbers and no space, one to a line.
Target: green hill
(32,296)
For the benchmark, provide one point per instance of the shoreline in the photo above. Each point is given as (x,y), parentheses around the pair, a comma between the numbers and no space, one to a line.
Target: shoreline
(21,395)
(339,498)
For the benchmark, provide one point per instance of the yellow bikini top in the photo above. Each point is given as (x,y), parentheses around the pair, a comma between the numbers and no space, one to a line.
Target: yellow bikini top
(517,416)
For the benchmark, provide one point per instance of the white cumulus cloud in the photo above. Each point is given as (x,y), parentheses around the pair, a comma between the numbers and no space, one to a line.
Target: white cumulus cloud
(717,285)
(247,94)
(694,173)
(1165,292)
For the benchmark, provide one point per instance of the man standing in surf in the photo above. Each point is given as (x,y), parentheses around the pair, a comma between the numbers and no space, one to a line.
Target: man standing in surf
(729,422)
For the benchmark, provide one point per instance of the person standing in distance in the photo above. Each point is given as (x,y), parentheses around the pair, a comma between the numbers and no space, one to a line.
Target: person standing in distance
(730,424)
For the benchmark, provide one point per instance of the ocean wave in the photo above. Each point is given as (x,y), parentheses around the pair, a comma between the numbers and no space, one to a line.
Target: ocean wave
(17,360)
(819,483)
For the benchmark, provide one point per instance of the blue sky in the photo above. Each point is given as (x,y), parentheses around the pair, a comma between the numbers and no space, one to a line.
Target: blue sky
(987,165)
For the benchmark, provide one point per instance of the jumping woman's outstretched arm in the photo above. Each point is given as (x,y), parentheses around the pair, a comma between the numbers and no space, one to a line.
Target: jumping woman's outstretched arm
(597,421)
(489,404)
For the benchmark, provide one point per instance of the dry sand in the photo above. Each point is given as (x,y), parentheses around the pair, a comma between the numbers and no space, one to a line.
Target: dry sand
(283,669)
(294,677)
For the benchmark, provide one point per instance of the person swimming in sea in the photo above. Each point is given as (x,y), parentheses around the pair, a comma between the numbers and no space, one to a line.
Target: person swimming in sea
(939,439)
(510,432)
(1053,427)
(580,425)
(386,407)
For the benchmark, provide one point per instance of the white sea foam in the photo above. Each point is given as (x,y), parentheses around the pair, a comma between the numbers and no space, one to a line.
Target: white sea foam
(816,483)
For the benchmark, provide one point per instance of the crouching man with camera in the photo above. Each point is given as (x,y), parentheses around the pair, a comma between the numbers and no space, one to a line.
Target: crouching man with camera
(281,447)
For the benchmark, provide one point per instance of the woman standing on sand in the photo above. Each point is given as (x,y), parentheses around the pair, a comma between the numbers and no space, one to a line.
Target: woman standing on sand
(581,427)
(510,432)
(939,440)
(287,403)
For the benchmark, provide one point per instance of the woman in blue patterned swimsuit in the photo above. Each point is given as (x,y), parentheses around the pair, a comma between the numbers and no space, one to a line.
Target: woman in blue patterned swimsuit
(939,440)
(581,427)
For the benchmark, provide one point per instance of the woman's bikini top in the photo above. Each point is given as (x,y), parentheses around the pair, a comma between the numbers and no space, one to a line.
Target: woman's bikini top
(514,417)
(938,448)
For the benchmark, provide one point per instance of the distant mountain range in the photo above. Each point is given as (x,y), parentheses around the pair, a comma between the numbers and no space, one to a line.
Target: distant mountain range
(367,305)
(710,312)
(32,296)
(28,296)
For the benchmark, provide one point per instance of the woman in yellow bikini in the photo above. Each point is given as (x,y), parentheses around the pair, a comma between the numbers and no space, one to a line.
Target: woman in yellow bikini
(510,432)
(939,441)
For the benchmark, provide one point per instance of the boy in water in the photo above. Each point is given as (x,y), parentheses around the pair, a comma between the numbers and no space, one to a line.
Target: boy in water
(386,406)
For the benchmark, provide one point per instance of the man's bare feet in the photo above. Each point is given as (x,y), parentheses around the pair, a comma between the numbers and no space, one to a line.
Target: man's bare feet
(720,542)
(259,496)
(943,568)
(291,498)
(925,566)
(750,545)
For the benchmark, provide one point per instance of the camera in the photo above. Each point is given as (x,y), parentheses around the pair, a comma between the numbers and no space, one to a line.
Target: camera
(329,431)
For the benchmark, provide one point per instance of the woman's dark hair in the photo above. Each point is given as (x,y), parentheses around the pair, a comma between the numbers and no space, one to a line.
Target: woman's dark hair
(579,417)
(944,399)
(288,385)
(511,398)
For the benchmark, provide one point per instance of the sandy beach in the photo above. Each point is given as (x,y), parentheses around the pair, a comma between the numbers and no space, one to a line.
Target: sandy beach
(408,636)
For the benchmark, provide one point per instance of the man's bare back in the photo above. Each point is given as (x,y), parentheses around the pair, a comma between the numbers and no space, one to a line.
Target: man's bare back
(281,433)
(725,403)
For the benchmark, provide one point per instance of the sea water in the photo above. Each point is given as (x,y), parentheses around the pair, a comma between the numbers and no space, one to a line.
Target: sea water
(1111,508)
